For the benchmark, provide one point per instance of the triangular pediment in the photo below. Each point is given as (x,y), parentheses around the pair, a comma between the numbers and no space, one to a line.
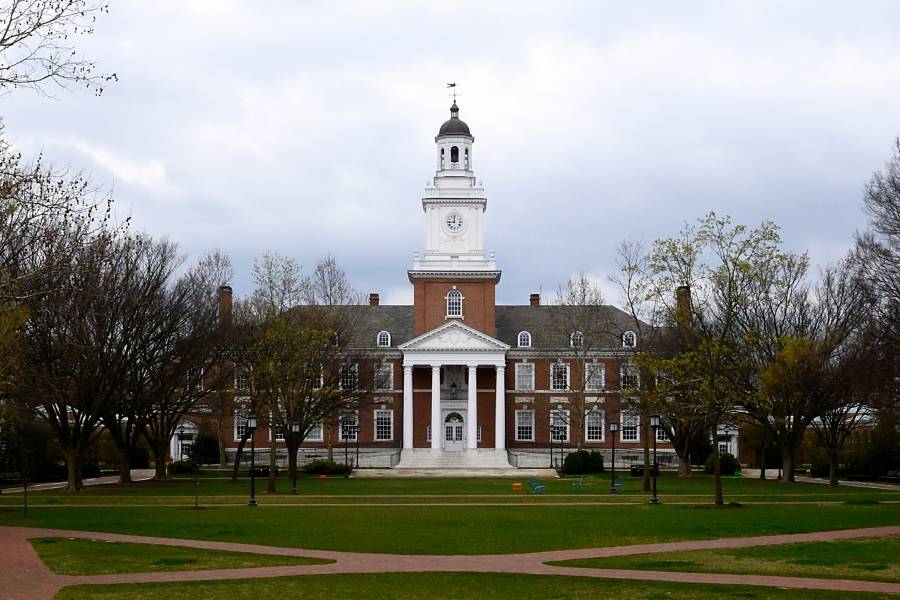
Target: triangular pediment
(454,336)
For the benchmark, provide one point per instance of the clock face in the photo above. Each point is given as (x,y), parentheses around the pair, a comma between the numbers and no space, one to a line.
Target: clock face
(454,221)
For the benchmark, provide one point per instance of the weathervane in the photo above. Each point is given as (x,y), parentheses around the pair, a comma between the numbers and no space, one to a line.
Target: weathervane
(453,94)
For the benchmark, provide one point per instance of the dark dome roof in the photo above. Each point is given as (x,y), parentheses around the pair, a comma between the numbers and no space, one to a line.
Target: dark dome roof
(454,125)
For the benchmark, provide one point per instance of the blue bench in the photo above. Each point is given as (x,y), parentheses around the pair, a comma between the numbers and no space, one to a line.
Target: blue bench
(536,488)
(617,485)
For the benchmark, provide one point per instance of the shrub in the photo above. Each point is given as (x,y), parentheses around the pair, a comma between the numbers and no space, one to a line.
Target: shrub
(181,467)
(325,467)
(728,464)
(583,461)
(205,449)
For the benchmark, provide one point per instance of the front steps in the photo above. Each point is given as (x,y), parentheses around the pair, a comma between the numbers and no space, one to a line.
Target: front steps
(426,458)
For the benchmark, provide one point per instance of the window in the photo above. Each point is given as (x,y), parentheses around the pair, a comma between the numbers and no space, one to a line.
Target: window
(194,379)
(724,448)
(317,383)
(384,376)
(454,303)
(629,339)
(576,340)
(383,340)
(559,376)
(630,377)
(594,426)
(454,154)
(594,376)
(316,433)
(630,428)
(559,425)
(524,340)
(524,376)
(278,428)
(350,377)
(384,425)
(241,378)
(661,434)
(349,427)
(241,411)
(524,425)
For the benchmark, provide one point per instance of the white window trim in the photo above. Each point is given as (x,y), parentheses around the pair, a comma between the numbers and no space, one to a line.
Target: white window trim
(238,369)
(522,365)
(602,367)
(355,368)
(637,375)
(568,423)
(390,378)
(634,336)
(453,290)
(637,427)
(320,437)
(519,339)
(378,339)
(375,425)
(272,426)
(572,339)
(587,417)
(661,434)
(531,414)
(241,410)
(341,437)
(568,376)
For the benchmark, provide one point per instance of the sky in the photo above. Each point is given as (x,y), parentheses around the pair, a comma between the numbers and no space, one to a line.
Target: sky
(307,128)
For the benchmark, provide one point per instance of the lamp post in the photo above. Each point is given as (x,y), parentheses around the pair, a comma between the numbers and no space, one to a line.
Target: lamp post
(251,426)
(613,429)
(654,424)
(295,433)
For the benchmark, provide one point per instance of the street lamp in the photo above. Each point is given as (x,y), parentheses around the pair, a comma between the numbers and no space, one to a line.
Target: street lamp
(613,429)
(251,426)
(654,424)
(295,432)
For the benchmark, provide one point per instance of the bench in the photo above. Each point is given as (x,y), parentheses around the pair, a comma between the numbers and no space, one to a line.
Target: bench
(536,488)
(578,484)
(617,485)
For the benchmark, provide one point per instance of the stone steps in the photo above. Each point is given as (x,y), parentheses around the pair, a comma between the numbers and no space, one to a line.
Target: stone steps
(425,458)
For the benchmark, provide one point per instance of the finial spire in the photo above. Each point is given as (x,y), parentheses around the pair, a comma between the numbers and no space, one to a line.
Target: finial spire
(452,86)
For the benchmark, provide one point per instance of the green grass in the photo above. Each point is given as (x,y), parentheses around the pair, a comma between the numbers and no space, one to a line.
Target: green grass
(68,556)
(458,529)
(872,559)
(442,586)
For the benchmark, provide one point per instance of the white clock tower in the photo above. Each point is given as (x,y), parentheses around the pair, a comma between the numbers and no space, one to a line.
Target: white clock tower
(454,208)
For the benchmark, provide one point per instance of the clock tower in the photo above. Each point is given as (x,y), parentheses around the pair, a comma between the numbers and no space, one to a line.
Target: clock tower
(454,278)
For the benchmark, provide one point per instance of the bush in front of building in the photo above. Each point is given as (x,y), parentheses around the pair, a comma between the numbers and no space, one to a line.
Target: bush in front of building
(728,464)
(181,467)
(583,461)
(325,467)
(205,449)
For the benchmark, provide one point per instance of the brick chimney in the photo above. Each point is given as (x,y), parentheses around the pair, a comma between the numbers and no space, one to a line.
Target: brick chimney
(535,299)
(373,300)
(683,307)
(224,305)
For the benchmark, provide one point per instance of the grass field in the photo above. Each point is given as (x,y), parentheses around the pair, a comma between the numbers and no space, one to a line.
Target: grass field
(866,559)
(443,586)
(68,556)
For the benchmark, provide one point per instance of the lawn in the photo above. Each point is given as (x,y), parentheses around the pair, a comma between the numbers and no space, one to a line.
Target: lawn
(872,559)
(68,556)
(443,586)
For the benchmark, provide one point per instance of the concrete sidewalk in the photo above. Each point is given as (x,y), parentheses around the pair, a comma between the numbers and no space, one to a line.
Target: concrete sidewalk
(136,475)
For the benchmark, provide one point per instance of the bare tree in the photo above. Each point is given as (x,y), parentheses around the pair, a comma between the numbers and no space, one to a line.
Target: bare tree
(36,45)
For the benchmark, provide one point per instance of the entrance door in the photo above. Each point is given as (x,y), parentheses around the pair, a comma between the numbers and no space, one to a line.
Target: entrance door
(454,433)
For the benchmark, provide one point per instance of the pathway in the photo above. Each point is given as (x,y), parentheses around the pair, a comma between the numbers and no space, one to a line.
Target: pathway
(136,475)
(26,576)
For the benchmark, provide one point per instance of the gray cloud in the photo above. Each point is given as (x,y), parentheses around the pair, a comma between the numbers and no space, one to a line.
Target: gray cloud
(308,128)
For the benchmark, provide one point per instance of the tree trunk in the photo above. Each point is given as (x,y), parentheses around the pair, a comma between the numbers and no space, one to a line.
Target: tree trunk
(273,464)
(645,426)
(223,456)
(787,465)
(832,470)
(125,467)
(717,470)
(292,462)
(237,457)
(159,461)
(684,466)
(73,470)
(762,462)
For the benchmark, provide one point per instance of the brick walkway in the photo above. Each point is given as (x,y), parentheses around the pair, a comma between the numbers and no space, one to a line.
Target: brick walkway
(25,576)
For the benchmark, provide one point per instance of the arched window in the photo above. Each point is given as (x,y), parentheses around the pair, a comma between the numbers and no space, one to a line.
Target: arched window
(629,339)
(454,154)
(454,303)
(524,339)
(576,340)
(384,339)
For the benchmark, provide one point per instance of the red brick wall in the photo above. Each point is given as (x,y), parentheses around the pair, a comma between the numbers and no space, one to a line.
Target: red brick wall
(430,305)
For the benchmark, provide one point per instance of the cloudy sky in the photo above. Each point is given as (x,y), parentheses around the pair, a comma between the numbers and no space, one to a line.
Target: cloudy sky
(308,127)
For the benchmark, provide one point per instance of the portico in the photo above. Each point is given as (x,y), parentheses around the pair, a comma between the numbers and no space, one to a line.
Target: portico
(453,354)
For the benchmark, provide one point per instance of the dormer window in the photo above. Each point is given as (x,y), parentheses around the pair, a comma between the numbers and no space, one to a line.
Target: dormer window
(454,303)
(383,340)
(524,339)
(629,339)
(576,340)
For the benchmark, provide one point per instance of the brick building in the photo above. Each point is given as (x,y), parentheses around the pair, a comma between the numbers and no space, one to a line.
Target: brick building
(467,382)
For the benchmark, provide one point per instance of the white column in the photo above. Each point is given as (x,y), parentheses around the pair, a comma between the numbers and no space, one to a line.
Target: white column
(500,409)
(472,409)
(407,407)
(436,432)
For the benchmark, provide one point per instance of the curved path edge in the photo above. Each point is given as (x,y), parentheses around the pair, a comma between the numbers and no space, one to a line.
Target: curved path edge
(26,576)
